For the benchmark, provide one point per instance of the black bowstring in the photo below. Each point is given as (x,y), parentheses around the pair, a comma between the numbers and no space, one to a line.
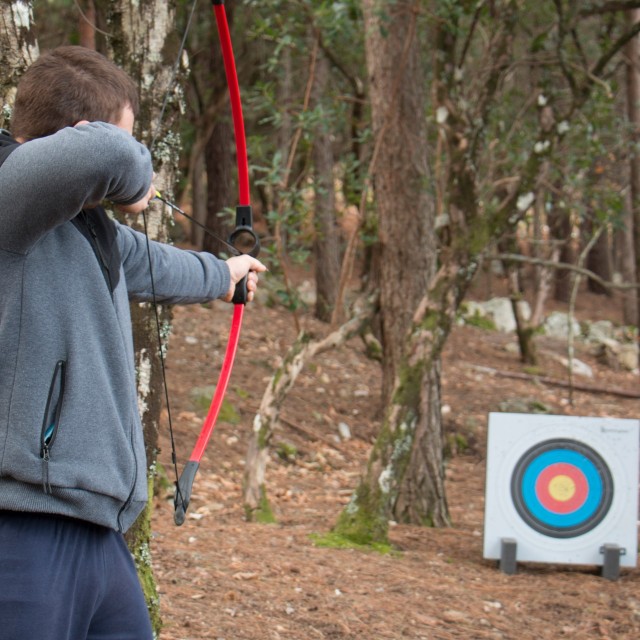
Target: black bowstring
(233,250)
(174,72)
(174,457)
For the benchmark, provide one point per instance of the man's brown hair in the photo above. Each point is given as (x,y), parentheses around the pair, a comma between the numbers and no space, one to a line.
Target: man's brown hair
(66,85)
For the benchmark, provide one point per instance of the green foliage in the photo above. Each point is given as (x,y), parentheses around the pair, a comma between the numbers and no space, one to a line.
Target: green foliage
(523,405)
(479,320)
(263,514)
(455,444)
(161,484)
(228,413)
(286,451)
(333,540)
(373,347)
(243,394)
(286,33)
(289,299)
(201,398)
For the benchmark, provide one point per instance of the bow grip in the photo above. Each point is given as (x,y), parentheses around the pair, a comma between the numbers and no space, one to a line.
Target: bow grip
(241,293)
(183,491)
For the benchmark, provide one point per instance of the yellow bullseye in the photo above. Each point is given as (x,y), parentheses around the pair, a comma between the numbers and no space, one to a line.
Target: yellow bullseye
(562,488)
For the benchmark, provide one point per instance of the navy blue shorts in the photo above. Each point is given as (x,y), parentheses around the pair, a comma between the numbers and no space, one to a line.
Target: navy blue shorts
(65,579)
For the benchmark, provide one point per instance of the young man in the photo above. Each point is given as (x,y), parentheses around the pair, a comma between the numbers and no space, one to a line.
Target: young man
(72,459)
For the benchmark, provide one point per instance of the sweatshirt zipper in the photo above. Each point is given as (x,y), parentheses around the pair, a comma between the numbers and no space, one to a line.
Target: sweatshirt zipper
(129,499)
(51,421)
(103,262)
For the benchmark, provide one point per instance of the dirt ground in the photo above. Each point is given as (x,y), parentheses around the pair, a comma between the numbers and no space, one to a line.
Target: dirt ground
(222,578)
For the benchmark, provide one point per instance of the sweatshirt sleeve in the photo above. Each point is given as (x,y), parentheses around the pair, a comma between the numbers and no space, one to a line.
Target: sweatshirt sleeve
(179,276)
(47,181)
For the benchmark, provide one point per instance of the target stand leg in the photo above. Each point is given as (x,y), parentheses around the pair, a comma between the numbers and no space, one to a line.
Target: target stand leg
(611,564)
(508,548)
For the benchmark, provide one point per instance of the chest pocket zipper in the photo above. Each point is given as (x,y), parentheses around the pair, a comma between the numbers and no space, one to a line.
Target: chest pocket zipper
(51,421)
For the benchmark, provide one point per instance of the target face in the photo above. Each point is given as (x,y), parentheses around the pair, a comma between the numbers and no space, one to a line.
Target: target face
(562,488)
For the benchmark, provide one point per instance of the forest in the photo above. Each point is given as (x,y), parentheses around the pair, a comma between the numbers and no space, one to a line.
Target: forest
(447,196)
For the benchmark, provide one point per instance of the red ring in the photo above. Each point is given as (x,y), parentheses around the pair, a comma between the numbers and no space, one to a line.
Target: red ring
(543,482)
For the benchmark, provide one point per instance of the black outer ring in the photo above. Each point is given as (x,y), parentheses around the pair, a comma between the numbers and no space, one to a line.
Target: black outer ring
(549,530)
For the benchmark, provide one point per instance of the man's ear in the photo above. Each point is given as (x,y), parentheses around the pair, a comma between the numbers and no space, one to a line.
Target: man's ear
(77,124)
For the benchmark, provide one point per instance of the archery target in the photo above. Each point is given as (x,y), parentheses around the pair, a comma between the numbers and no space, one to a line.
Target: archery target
(562,487)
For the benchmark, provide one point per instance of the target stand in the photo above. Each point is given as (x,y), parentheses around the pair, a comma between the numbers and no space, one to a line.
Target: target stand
(562,489)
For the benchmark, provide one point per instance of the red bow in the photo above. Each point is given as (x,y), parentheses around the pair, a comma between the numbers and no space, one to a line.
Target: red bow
(244,226)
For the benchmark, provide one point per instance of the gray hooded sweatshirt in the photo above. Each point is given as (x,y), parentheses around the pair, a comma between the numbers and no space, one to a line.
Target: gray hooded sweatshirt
(70,432)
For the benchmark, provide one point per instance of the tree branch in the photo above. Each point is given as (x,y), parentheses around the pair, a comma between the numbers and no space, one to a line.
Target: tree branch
(514,257)
(556,382)
(609,7)
(615,47)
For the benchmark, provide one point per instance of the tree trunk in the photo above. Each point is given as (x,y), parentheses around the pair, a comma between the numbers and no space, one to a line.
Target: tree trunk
(218,165)
(560,227)
(524,330)
(209,165)
(217,151)
(405,474)
(87,24)
(404,478)
(198,199)
(405,209)
(599,259)
(18,49)
(326,241)
(624,252)
(421,496)
(633,115)
(139,36)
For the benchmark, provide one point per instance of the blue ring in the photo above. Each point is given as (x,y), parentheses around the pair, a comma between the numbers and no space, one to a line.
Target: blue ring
(545,515)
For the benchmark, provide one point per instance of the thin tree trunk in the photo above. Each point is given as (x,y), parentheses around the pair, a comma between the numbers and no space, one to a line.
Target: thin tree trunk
(561,232)
(218,167)
(218,159)
(624,251)
(198,199)
(305,348)
(87,24)
(524,330)
(599,261)
(326,242)
(633,115)
(209,172)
